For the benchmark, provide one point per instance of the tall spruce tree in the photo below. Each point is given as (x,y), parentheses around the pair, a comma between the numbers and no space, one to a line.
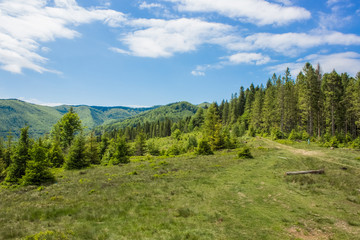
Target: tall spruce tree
(21,156)
(37,171)
(67,127)
(77,156)
(212,127)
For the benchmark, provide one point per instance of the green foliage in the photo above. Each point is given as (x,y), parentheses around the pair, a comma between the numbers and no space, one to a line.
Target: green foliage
(191,143)
(93,149)
(176,134)
(153,147)
(173,112)
(14,114)
(140,144)
(277,134)
(55,155)
(244,152)
(77,156)
(37,170)
(117,153)
(204,148)
(294,135)
(356,143)
(212,127)
(174,150)
(67,127)
(21,156)
(305,136)
(103,146)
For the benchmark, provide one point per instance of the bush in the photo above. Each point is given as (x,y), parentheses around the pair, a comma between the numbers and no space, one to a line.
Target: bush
(333,142)
(305,136)
(294,135)
(175,149)
(244,152)
(153,148)
(356,143)
(204,148)
(277,134)
(191,143)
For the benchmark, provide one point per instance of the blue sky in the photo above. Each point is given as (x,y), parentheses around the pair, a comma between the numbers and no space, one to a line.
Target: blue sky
(144,53)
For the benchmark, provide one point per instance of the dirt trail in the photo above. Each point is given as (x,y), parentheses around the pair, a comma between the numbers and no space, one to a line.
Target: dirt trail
(313,153)
(296,150)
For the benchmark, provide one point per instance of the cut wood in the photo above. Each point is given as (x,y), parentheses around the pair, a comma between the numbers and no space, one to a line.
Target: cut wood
(321,171)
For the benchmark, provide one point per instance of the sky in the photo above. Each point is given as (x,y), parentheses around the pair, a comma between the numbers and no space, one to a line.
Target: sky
(155,52)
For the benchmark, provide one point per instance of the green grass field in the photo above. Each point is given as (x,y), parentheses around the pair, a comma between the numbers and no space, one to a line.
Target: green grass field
(196,197)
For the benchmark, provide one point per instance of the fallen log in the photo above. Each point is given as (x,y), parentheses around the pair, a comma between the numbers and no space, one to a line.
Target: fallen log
(321,171)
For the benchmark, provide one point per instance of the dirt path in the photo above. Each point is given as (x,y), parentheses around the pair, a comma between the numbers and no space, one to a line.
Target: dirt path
(313,153)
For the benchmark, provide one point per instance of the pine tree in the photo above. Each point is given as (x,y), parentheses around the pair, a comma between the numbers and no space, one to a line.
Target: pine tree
(92,146)
(55,155)
(77,156)
(17,168)
(121,154)
(67,127)
(37,171)
(104,144)
(212,127)
(140,144)
(256,113)
(332,88)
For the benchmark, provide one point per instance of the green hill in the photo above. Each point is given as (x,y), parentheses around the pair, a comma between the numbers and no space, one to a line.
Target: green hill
(15,114)
(173,111)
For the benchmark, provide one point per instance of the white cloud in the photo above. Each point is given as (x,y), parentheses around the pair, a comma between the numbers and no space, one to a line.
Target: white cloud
(145,5)
(163,38)
(259,12)
(290,44)
(197,73)
(248,58)
(342,62)
(235,59)
(24,25)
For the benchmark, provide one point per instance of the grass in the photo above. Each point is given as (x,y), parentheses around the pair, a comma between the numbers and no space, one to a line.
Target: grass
(196,197)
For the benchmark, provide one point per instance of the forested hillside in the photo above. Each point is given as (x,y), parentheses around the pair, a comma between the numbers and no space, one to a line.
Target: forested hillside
(156,123)
(15,114)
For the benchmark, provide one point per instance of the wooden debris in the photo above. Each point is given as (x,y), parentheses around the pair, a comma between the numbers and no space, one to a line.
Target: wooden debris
(321,171)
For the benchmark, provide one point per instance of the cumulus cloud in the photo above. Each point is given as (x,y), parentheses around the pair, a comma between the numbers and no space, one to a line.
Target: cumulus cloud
(24,25)
(259,12)
(290,44)
(248,58)
(342,62)
(163,38)
(235,59)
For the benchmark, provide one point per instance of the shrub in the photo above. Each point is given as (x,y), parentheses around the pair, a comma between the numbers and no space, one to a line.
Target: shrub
(204,148)
(244,152)
(333,142)
(175,149)
(293,135)
(191,143)
(153,148)
(305,136)
(356,143)
(277,134)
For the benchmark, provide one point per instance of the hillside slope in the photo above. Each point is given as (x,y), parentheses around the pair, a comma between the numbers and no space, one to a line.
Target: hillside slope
(196,197)
(173,111)
(15,114)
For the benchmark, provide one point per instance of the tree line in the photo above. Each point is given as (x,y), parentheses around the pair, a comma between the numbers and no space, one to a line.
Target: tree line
(312,107)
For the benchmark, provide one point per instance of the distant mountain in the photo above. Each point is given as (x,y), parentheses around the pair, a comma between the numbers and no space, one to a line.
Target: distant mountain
(173,111)
(15,114)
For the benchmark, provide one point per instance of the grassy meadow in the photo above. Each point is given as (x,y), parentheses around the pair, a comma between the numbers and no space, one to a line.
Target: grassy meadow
(196,197)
